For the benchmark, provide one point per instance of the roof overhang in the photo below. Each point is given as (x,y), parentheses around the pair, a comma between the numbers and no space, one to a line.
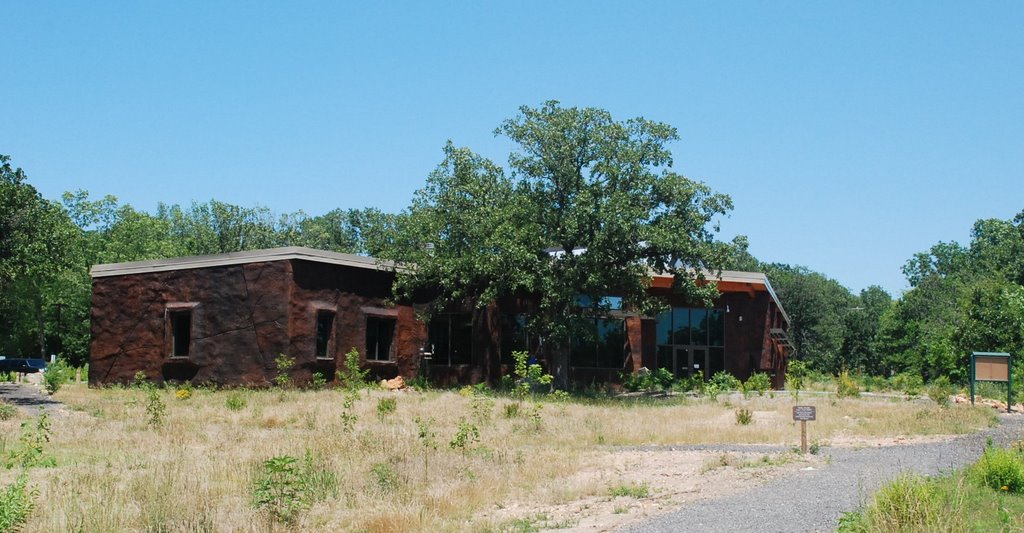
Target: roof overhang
(728,281)
(240,258)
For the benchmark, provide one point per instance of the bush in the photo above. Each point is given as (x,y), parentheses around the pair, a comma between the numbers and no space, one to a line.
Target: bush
(648,380)
(910,384)
(725,381)
(759,382)
(352,377)
(846,386)
(386,406)
(284,365)
(318,382)
(744,416)
(55,375)
(1000,469)
(940,389)
(285,486)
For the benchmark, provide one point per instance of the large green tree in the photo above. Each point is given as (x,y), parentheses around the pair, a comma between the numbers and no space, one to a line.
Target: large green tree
(600,194)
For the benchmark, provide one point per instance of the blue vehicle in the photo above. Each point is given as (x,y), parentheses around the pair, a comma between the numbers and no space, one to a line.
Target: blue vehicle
(22,366)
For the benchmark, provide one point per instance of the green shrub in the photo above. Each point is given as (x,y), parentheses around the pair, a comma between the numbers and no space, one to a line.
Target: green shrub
(1000,469)
(285,486)
(909,383)
(744,416)
(648,380)
(56,375)
(385,477)
(16,503)
(630,491)
(846,386)
(940,389)
(725,381)
(760,382)
(30,451)
(318,382)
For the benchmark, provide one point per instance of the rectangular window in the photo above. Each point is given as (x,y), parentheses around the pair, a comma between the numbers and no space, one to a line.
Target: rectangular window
(513,337)
(601,345)
(379,334)
(181,333)
(451,338)
(324,334)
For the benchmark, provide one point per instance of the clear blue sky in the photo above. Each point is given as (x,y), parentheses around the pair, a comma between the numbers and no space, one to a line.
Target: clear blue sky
(850,135)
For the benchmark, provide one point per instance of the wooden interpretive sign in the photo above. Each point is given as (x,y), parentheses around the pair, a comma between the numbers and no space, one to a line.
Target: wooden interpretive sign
(993,366)
(803,413)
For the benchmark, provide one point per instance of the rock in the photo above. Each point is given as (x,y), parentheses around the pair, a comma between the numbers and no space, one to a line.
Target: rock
(393,384)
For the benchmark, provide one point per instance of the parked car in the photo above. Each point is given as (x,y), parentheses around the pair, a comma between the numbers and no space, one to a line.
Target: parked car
(24,366)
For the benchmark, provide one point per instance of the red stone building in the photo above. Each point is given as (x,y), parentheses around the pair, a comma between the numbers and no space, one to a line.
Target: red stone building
(225,318)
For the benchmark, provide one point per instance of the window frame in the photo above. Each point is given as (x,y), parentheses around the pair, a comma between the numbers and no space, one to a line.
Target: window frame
(378,320)
(173,313)
(329,343)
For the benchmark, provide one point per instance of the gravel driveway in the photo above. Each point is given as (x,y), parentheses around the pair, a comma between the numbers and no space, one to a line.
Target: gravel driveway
(29,397)
(813,500)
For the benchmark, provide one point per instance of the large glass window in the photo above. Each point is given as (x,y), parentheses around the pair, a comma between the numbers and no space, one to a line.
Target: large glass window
(379,334)
(513,337)
(691,326)
(451,338)
(601,345)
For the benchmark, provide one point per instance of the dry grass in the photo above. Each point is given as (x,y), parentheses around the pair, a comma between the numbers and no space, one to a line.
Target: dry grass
(117,473)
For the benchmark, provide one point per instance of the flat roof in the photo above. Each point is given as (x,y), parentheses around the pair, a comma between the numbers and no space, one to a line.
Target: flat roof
(239,258)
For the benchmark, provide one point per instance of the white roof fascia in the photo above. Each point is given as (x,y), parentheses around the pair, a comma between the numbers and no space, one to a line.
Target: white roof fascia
(239,258)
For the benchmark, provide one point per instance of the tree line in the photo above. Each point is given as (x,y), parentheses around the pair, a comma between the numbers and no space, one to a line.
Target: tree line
(479,231)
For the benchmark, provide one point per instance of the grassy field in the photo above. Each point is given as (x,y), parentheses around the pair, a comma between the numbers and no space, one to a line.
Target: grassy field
(374,460)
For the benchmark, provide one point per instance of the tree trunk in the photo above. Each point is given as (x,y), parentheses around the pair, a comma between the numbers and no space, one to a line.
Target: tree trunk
(42,328)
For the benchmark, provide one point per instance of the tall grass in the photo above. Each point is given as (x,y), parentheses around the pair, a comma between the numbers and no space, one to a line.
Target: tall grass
(195,471)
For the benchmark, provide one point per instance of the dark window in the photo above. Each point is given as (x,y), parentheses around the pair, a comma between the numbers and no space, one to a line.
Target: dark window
(324,333)
(181,333)
(716,327)
(513,337)
(379,334)
(601,344)
(451,338)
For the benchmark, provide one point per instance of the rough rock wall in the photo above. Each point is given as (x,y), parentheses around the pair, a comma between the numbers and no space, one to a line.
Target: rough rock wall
(353,294)
(239,324)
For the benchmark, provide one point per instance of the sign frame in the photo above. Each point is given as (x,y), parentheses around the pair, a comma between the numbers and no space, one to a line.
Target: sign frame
(803,414)
(993,373)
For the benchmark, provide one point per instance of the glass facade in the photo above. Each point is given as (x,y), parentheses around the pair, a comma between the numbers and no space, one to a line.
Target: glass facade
(691,340)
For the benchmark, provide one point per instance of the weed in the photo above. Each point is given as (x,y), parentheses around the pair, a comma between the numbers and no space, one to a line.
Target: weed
(235,401)
(744,416)
(140,380)
(156,410)
(481,407)
(385,476)
(910,384)
(352,377)
(284,365)
(278,489)
(467,435)
(428,439)
(385,407)
(725,381)
(535,416)
(184,392)
(528,376)
(318,382)
(940,389)
(511,410)
(348,417)
(16,503)
(846,386)
(31,444)
(630,491)
(7,411)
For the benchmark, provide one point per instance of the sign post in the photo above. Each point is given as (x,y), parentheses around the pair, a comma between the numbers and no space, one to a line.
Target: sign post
(993,366)
(803,413)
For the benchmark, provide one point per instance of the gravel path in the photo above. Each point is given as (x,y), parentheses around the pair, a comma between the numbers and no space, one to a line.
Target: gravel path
(813,500)
(29,397)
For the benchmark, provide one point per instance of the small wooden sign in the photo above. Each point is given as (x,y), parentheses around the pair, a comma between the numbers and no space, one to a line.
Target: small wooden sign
(803,413)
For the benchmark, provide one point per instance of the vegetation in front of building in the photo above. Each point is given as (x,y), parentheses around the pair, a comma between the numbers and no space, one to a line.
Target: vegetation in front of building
(987,496)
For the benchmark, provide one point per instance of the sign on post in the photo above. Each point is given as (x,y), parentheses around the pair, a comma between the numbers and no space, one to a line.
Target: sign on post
(993,366)
(803,413)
